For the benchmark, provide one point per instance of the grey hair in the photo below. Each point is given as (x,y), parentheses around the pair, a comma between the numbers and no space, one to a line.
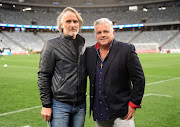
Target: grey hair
(60,18)
(102,21)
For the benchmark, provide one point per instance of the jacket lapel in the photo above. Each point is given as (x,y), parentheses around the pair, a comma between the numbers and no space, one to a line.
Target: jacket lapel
(112,54)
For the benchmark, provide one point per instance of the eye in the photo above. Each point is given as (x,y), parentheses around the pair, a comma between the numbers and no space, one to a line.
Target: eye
(106,31)
(75,21)
(98,32)
(68,21)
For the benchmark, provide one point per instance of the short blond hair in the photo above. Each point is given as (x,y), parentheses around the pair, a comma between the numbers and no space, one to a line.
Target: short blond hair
(60,18)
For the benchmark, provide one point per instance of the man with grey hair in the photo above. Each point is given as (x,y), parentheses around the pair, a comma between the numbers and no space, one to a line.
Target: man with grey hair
(116,78)
(62,74)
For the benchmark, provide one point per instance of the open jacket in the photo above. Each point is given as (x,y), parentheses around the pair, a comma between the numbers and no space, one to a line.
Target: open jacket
(124,79)
(62,73)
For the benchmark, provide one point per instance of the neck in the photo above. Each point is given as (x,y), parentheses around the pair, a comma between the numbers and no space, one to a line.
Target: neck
(104,51)
(74,37)
(104,48)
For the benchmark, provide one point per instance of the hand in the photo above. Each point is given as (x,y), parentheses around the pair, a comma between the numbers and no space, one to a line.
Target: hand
(46,113)
(130,114)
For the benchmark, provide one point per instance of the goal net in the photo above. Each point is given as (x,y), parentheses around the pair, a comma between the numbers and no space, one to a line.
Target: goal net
(146,47)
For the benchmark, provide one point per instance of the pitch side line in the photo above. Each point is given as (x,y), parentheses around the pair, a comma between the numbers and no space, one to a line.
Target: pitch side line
(26,109)
(162,81)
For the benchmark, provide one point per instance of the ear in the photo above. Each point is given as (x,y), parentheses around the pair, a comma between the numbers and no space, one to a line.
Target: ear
(113,32)
(61,25)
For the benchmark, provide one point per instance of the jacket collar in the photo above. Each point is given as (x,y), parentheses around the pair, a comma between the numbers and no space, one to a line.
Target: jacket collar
(69,41)
(66,37)
(78,37)
(97,45)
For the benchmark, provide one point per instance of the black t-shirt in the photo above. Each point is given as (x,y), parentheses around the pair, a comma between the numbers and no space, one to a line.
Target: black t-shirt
(76,45)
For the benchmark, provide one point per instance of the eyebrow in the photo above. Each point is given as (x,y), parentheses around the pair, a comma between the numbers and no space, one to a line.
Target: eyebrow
(71,20)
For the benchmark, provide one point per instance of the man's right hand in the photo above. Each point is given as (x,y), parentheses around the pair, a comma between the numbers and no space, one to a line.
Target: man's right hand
(46,113)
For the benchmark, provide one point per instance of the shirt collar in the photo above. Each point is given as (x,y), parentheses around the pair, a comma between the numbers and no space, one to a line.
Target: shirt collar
(97,45)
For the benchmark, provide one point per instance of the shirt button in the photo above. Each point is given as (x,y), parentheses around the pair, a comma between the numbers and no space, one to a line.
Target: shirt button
(100,102)
(101,114)
(99,82)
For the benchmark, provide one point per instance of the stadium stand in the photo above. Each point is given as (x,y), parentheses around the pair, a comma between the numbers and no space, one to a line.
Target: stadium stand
(152,13)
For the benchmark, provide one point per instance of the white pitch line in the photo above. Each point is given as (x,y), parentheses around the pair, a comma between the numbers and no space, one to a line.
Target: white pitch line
(151,94)
(21,67)
(26,109)
(160,76)
(21,110)
(162,81)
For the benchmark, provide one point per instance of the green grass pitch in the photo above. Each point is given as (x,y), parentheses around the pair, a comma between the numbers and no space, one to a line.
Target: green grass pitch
(20,104)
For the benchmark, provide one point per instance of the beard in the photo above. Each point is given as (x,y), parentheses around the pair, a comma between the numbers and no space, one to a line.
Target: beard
(73,32)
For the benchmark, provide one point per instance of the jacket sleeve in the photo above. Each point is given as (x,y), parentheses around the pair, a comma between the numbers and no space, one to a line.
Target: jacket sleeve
(46,69)
(137,77)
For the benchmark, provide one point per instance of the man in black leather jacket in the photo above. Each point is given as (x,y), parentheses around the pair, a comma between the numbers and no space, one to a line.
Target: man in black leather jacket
(62,74)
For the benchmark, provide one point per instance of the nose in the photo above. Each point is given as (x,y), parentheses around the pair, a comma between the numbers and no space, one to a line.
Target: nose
(72,24)
(102,34)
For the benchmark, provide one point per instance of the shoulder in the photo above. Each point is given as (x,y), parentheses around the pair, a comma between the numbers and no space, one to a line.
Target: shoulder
(50,44)
(90,48)
(123,45)
(53,40)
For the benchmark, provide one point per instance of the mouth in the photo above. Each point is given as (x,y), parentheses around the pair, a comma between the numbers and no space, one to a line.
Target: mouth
(73,30)
(103,39)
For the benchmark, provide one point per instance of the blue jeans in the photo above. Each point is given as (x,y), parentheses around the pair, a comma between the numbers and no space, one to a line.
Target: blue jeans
(65,115)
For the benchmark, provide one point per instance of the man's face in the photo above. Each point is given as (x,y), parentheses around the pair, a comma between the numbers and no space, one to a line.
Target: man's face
(70,24)
(104,34)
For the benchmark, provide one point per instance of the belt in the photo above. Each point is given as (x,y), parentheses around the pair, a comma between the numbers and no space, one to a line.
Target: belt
(77,103)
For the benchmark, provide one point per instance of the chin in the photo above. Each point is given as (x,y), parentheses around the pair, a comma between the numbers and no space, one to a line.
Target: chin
(103,43)
(73,34)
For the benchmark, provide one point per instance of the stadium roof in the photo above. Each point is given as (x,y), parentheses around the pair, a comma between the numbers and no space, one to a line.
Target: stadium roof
(84,5)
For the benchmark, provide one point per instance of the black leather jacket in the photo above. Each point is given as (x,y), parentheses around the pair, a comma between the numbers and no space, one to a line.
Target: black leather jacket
(62,73)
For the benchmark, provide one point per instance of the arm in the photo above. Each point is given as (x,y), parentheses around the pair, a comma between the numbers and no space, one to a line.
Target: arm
(137,77)
(46,68)
(138,82)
